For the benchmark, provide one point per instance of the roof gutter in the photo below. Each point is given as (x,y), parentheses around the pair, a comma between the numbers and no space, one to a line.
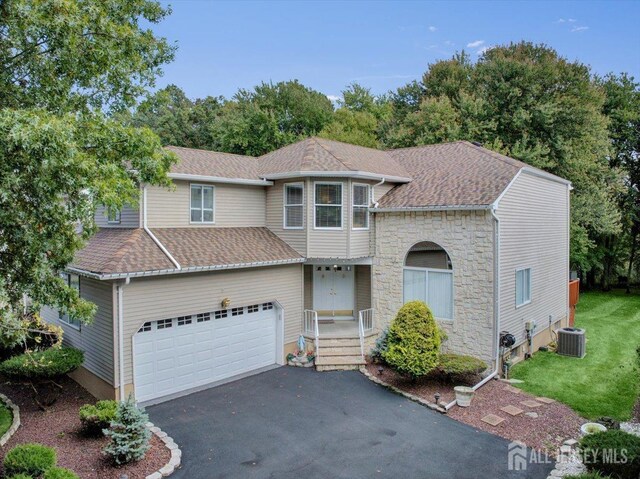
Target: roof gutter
(431,208)
(151,235)
(361,175)
(219,179)
(191,269)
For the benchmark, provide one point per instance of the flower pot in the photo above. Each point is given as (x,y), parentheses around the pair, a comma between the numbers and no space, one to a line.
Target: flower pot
(592,427)
(464,394)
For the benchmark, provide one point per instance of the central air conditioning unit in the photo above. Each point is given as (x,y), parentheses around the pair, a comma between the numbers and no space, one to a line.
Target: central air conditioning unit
(572,342)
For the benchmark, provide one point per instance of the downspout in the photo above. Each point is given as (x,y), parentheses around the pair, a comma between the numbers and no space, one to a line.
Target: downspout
(496,307)
(373,192)
(151,235)
(119,288)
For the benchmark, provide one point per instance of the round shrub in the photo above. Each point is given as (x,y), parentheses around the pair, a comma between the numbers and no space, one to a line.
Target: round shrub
(60,473)
(413,341)
(612,453)
(95,418)
(49,364)
(30,459)
(460,368)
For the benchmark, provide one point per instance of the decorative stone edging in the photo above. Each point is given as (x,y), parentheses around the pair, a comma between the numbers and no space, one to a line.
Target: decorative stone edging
(413,397)
(15,424)
(176,453)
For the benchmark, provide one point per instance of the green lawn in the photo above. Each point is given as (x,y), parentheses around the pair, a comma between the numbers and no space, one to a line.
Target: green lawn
(606,381)
(6,418)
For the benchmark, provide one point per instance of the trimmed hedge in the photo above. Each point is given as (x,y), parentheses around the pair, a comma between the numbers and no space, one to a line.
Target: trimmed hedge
(60,473)
(413,341)
(96,417)
(459,368)
(49,364)
(604,452)
(29,459)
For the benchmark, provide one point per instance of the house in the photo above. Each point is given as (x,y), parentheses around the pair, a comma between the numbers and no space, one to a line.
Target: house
(219,276)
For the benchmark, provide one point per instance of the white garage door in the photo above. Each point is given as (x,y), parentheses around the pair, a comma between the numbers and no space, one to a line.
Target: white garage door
(173,355)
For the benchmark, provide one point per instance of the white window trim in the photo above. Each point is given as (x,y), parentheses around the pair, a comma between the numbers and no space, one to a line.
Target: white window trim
(202,206)
(284,206)
(61,317)
(117,219)
(426,285)
(515,279)
(353,205)
(341,205)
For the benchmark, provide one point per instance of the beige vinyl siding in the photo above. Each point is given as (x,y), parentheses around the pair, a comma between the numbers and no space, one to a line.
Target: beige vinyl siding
(363,287)
(234,205)
(129,218)
(95,339)
(296,238)
(534,233)
(162,297)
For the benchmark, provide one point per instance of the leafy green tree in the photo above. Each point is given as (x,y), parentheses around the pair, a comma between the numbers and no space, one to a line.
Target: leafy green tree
(269,117)
(177,120)
(66,66)
(526,101)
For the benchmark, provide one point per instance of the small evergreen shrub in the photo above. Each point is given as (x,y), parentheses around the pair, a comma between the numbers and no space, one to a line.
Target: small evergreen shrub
(380,347)
(413,341)
(604,452)
(128,433)
(98,416)
(459,368)
(29,459)
(60,473)
(41,365)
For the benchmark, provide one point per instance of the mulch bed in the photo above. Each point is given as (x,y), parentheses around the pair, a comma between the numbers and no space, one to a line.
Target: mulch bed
(555,422)
(59,427)
(425,388)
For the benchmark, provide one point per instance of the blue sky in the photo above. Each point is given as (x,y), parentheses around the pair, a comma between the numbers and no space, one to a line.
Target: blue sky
(223,46)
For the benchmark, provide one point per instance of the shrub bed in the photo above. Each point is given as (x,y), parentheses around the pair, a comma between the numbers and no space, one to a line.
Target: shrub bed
(613,452)
(96,417)
(30,459)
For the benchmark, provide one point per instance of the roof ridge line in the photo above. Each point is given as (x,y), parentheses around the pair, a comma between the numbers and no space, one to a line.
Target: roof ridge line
(315,138)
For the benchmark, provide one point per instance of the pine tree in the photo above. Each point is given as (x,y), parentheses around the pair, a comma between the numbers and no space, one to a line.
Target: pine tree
(129,434)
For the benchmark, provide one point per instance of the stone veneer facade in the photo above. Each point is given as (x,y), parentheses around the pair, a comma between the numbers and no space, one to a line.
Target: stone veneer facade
(468,238)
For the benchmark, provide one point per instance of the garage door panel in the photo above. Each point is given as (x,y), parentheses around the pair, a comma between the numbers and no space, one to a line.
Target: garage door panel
(193,354)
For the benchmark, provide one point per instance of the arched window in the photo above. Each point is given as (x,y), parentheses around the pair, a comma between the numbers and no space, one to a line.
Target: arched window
(428,277)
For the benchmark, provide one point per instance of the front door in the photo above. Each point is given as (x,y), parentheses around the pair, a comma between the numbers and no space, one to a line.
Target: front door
(333,291)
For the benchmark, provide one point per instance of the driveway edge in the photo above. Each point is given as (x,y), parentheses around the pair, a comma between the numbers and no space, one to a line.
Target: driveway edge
(414,398)
(176,453)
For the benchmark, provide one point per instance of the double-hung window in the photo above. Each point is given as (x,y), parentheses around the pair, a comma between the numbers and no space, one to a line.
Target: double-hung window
(360,207)
(294,206)
(202,204)
(328,205)
(73,281)
(523,286)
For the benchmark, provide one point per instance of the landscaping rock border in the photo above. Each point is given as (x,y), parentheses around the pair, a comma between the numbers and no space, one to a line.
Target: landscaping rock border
(176,453)
(419,400)
(15,424)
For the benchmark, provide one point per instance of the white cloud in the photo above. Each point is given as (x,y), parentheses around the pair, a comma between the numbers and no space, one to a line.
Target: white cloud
(475,44)
(432,28)
(579,29)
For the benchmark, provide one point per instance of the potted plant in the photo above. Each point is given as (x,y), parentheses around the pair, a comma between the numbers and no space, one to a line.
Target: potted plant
(464,394)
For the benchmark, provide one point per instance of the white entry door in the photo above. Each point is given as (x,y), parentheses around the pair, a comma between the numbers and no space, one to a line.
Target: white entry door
(178,354)
(333,291)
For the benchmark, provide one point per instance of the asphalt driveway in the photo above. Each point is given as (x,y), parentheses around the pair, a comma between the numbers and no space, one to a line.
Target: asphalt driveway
(298,423)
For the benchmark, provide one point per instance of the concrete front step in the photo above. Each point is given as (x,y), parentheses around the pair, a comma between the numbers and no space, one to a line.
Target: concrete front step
(339,351)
